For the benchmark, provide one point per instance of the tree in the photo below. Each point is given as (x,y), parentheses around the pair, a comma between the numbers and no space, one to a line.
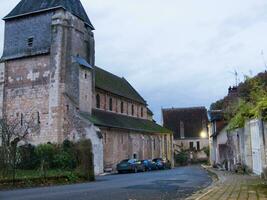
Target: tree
(12,132)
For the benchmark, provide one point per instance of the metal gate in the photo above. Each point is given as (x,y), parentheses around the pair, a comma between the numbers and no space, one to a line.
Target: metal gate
(256,147)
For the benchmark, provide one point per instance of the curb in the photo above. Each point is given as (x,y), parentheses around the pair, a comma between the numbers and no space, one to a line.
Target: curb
(201,193)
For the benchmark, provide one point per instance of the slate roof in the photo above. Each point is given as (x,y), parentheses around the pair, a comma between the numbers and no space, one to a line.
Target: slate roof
(192,118)
(216,115)
(81,61)
(150,112)
(120,86)
(27,7)
(113,120)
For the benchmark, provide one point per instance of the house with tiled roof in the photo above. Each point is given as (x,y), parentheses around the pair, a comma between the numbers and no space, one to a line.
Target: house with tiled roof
(48,71)
(190,128)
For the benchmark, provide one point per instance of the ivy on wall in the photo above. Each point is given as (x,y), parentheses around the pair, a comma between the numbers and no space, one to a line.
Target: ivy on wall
(251,102)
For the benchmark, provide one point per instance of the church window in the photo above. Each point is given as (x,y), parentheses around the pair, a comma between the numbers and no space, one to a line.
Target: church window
(132,110)
(110,104)
(30,41)
(68,108)
(97,101)
(142,112)
(21,119)
(38,118)
(122,107)
(85,75)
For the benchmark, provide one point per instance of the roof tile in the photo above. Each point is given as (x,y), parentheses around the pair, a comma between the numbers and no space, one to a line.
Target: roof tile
(26,7)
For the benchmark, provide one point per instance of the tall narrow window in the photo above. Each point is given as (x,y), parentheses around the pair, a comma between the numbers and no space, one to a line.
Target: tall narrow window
(21,119)
(85,75)
(30,41)
(38,118)
(132,110)
(110,104)
(142,112)
(122,107)
(97,101)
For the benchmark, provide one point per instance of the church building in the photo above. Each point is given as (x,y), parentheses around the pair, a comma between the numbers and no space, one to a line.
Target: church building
(48,71)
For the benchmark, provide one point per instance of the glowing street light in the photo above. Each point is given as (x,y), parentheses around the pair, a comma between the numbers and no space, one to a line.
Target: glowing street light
(203,134)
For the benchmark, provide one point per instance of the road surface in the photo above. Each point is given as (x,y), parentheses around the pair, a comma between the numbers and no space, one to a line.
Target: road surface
(157,185)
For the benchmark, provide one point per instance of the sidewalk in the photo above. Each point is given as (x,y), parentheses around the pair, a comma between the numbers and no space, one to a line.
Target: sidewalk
(233,187)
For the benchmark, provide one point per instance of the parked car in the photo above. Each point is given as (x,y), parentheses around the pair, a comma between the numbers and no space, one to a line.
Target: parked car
(149,165)
(162,163)
(130,165)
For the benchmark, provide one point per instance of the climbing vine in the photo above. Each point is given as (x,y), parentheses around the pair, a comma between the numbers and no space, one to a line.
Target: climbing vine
(252,103)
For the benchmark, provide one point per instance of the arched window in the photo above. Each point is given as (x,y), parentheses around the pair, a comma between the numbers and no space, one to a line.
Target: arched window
(132,110)
(110,104)
(97,101)
(122,107)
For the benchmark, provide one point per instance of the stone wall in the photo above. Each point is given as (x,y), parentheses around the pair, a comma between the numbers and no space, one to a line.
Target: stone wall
(122,144)
(26,93)
(85,90)
(238,146)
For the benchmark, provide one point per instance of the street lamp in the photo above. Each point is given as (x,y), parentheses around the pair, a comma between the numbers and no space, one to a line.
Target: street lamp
(203,134)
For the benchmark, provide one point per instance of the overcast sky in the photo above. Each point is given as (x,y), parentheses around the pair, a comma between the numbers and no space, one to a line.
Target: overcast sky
(177,53)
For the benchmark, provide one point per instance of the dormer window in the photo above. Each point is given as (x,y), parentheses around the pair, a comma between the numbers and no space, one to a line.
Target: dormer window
(30,41)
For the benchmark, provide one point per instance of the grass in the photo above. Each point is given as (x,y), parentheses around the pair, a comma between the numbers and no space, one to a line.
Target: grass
(29,174)
(35,178)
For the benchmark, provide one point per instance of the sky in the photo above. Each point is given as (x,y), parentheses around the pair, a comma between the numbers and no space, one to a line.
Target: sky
(177,53)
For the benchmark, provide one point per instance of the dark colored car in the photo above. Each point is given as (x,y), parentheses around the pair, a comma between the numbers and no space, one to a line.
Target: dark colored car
(130,165)
(149,165)
(162,163)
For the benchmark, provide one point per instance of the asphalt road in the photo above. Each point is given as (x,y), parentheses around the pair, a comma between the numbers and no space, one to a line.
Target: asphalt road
(163,185)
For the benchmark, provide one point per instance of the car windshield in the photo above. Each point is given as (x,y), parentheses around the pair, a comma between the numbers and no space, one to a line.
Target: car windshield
(131,161)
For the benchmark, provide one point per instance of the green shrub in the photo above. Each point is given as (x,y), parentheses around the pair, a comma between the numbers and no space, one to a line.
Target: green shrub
(64,160)
(85,159)
(206,151)
(45,153)
(182,158)
(28,158)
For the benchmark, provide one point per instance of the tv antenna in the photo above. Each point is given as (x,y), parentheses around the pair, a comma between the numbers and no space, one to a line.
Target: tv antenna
(235,73)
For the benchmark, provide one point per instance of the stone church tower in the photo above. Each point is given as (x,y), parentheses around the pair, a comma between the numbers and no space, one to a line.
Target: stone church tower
(47,70)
